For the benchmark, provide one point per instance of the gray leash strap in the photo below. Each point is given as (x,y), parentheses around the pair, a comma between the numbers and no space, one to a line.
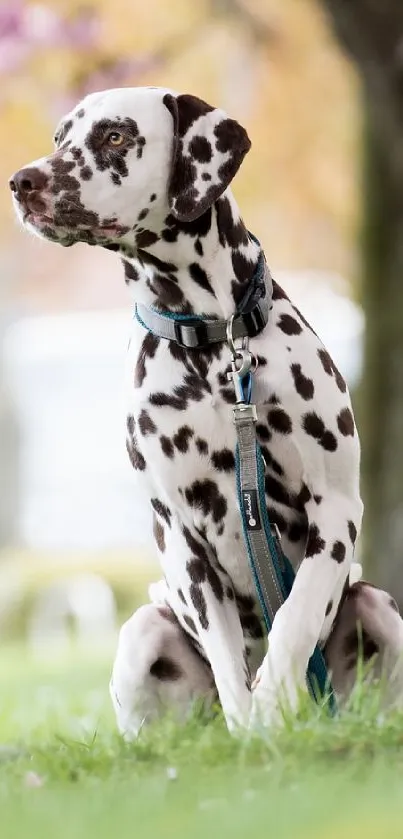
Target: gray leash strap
(260,557)
(265,559)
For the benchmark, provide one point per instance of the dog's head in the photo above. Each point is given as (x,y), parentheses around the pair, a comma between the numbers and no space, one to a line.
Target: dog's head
(125,158)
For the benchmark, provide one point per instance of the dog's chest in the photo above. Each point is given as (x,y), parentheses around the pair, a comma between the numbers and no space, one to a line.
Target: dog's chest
(181,440)
(181,404)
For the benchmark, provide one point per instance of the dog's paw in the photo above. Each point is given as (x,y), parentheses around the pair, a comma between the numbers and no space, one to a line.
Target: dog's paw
(355,573)
(273,699)
(267,709)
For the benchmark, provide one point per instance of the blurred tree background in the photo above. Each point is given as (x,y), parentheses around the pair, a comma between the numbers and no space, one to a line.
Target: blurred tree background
(313,116)
(372,35)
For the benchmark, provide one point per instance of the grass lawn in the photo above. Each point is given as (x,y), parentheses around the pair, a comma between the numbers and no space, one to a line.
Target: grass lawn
(317,778)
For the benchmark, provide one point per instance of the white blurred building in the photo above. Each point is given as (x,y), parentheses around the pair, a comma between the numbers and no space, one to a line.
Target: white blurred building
(66,373)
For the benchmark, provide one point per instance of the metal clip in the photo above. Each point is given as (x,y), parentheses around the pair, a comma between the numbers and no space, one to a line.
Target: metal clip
(243,412)
(237,374)
(242,357)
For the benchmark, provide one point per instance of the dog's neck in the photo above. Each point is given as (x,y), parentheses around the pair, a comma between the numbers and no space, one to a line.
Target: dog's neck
(201,267)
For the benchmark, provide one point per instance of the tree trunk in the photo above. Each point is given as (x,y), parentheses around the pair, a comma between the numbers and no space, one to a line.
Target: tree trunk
(381,415)
(372,33)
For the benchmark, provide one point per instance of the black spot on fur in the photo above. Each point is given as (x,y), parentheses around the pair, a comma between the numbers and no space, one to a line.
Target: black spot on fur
(245,602)
(162,510)
(223,460)
(202,445)
(199,602)
(86,173)
(278,292)
(289,325)
(243,269)
(303,385)
(193,389)
(136,458)
(146,238)
(296,531)
(195,545)
(63,131)
(263,432)
(167,446)
(315,544)
(352,532)
(251,625)
(303,497)
(345,423)
(146,424)
(276,491)
(315,427)
(338,551)
(199,227)
(131,273)
(280,421)
(271,462)
(200,571)
(200,149)
(230,233)
(166,670)
(331,369)
(159,534)
(182,437)
(200,277)
(190,624)
(276,518)
(205,496)
(148,349)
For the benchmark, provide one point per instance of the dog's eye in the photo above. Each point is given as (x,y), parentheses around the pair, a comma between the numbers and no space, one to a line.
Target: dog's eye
(115,139)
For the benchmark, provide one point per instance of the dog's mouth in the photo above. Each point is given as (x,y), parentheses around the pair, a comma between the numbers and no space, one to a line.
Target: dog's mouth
(36,219)
(65,228)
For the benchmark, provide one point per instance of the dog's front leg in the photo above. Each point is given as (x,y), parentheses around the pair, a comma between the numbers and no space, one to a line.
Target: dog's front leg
(189,563)
(333,526)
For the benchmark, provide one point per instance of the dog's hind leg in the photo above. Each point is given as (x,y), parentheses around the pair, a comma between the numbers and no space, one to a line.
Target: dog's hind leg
(368,625)
(156,670)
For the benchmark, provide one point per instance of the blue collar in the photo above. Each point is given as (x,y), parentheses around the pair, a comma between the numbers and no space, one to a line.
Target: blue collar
(195,331)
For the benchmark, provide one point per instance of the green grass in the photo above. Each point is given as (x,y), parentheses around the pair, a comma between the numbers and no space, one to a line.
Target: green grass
(317,778)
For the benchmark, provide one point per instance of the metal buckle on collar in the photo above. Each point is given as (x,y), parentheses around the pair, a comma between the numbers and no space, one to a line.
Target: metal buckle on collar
(254,321)
(193,337)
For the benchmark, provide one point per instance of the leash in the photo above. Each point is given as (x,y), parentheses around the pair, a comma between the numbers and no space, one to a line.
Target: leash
(272,571)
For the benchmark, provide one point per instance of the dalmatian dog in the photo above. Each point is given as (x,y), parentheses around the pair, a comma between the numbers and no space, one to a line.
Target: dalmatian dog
(147,172)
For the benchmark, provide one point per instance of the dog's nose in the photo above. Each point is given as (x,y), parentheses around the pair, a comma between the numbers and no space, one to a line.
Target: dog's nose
(26,181)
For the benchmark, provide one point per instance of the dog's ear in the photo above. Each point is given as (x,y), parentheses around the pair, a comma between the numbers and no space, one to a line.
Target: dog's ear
(208,149)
